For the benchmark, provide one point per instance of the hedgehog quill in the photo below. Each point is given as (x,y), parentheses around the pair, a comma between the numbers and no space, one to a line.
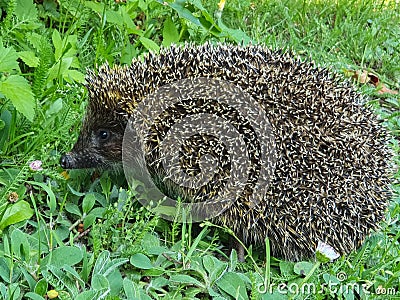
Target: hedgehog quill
(331,178)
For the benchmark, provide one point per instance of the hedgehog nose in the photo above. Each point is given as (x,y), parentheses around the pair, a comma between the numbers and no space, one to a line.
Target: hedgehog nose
(66,161)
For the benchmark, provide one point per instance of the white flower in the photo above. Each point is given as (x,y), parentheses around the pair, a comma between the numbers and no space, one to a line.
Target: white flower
(325,252)
(36,165)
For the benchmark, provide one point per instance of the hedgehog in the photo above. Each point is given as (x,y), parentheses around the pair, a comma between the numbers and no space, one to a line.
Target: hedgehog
(329,174)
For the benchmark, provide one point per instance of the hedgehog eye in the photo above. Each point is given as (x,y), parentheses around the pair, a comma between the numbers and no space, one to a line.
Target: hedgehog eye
(104,135)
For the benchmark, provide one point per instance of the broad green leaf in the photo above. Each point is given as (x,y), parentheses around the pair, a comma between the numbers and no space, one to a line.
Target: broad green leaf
(233,260)
(29,58)
(113,265)
(287,268)
(74,273)
(8,59)
(88,220)
(60,68)
(128,21)
(237,35)
(87,295)
(100,282)
(114,18)
(66,255)
(102,260)
(29,278)
(52,202)
(151,244)
(55,107)
(76,193)
(41,287)
(214,267)
(233,285)
(25,10)
(17,89)
(186,279)
(73,209)
(303,267)
(57,278)
(4,270)
(149,44)
(20,245)
(183,12)
(15,213)
(328,278)
(33,296)
(130,289)
(127,53)
(58,44)
(5,118)
(170,33)
(74,76)
(134,291)
(115,280)
(141,261)
(88,202)
(275,295)
(159,282)
(96,7)
(155,271)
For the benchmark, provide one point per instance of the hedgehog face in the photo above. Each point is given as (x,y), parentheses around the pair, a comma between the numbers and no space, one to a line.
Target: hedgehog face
(98,146)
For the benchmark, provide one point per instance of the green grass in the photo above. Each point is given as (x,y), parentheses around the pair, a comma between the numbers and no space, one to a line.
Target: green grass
(83,236)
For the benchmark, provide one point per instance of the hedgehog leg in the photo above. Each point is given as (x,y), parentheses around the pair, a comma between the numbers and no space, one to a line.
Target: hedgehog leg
(234,244)
(240,252)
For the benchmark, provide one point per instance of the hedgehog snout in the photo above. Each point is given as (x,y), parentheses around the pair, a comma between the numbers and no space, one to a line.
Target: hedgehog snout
(73,160)
(66,161)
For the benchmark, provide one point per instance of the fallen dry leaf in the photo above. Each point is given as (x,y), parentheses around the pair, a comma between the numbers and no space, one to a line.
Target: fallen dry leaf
(363,76)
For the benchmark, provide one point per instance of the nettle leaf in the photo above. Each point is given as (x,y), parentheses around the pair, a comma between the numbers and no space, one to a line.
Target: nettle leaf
(17,89)
(8,59)
(25,10)
(15,213)
(29,58)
